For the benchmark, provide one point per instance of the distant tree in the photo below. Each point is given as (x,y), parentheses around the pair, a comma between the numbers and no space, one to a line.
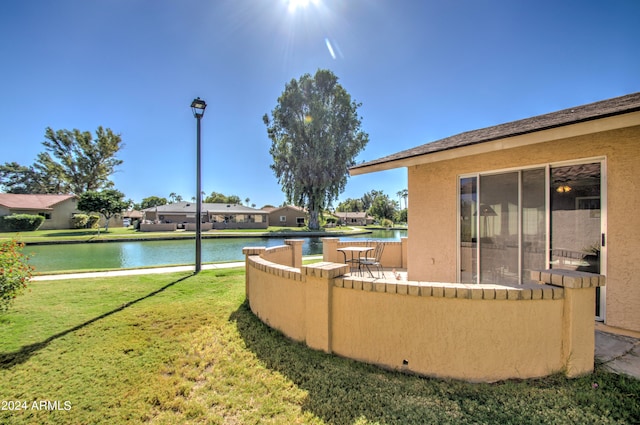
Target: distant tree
(219,198)
(233,199)
(108,202)
(173,198)
(152,201)
(16,178)
(368,198)
(403,194)
(401,216)
(215,198)
(73,162)
(351,205)
(315,136)
(383,207)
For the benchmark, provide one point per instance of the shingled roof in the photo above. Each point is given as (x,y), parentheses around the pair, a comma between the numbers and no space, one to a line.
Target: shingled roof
(578,114)
(42,202)
(190,208)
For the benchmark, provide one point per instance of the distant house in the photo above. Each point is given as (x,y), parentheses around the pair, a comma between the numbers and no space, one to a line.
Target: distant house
(129,216)
(354,218)
(214,216)
(57,210)
(555,191)
(287,216)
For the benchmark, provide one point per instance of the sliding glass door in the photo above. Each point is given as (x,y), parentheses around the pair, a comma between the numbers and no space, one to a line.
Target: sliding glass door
(502,226)
(577,235)
(532,219)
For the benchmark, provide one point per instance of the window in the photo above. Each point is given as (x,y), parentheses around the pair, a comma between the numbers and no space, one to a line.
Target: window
(283,219)
(502,226)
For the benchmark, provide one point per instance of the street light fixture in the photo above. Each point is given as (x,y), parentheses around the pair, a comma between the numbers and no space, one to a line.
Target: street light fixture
(198,106)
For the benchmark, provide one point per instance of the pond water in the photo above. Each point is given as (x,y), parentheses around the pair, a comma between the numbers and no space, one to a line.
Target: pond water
(133,254)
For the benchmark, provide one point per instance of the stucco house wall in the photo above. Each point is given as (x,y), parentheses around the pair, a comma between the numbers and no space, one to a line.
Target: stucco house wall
(60,213)
(432,244)
(291,214)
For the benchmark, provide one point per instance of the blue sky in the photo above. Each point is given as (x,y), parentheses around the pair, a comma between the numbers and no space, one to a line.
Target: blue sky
(423,70)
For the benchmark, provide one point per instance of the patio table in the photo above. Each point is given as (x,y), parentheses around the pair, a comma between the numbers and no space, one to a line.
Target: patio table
(355,261)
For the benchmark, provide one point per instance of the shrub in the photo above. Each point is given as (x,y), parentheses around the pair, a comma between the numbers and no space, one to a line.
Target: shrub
(386,223)
(21,222)
(94,221)
(14,272)
(79,221)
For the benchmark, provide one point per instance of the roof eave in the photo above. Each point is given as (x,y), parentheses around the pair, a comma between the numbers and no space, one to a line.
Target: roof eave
(531,138)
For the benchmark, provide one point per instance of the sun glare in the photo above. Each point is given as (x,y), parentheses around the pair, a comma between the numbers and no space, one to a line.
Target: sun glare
(300,4)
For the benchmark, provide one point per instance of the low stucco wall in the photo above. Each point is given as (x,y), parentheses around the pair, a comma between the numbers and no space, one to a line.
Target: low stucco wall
(191,227)
(469,332)
(159,227)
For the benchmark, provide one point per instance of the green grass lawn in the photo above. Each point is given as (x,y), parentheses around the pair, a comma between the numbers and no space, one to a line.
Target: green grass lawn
(122,233)
(178,348)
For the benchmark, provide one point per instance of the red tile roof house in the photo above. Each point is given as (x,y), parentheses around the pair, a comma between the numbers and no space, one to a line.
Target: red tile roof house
(56,209)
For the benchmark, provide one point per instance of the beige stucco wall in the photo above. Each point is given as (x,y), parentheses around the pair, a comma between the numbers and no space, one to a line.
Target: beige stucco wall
(291,215)
(60,214)
(462,331)
(432,244)
(475,340)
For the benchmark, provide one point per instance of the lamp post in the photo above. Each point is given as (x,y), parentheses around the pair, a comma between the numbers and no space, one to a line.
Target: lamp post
(198,106)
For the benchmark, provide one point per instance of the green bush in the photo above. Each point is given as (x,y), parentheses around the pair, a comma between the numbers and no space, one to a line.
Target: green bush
(79,221)
(94,221)
(20,222)
(386,223)
(14,272)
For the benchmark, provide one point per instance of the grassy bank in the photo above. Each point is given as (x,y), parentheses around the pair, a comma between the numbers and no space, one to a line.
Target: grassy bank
(178,348)
(122,233)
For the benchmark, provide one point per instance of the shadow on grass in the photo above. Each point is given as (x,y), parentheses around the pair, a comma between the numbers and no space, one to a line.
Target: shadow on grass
(92,232)
(8,360)
(343,391)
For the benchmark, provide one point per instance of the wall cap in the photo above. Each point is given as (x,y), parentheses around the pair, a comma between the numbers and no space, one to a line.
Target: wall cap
(572,279)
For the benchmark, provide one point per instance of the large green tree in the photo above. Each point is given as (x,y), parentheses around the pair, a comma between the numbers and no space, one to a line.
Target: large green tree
(382,207)
(219,198)
(73,162)
(107,202)
(351,205)
(152,201)
(16,178)
(315,134)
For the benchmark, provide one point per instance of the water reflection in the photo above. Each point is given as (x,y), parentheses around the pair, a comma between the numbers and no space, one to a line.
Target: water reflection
(134,254)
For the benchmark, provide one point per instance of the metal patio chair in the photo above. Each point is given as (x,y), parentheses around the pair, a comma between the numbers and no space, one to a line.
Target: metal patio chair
(374,261)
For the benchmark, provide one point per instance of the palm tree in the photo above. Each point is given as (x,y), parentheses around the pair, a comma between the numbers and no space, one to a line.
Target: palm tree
(403,194)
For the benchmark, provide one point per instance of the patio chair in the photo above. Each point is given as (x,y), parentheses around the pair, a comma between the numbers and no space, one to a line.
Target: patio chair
(374,261)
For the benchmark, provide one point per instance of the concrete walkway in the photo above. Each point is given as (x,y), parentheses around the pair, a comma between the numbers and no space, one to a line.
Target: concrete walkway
(131,272)
(617,350)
